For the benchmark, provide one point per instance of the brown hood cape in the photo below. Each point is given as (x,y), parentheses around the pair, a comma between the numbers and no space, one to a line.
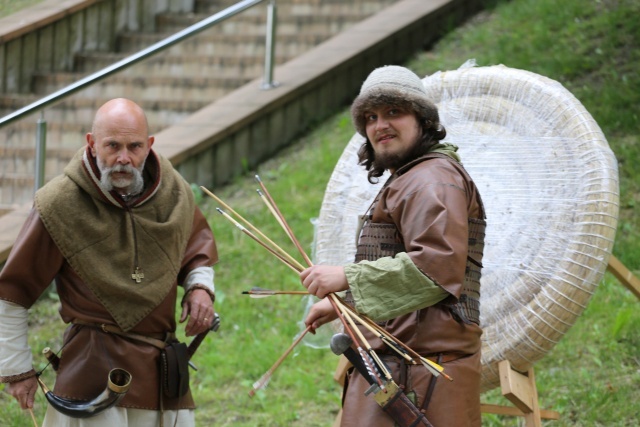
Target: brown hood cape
(102,237)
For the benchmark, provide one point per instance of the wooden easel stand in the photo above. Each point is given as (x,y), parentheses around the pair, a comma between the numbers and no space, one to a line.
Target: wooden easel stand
(520,389)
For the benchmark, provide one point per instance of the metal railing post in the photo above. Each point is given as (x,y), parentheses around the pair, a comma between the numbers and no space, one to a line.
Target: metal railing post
(270,42)
(41,148)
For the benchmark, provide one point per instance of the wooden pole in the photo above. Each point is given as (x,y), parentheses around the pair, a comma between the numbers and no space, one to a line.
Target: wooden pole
(624,275)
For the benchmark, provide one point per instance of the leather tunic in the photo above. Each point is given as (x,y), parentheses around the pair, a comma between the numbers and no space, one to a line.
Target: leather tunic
(442,231)
(88,353)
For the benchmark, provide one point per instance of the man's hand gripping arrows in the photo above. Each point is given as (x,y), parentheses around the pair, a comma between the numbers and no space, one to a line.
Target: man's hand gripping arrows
(386,392)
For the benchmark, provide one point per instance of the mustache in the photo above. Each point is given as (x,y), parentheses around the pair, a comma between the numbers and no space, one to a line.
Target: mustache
(135,184)
(120,168)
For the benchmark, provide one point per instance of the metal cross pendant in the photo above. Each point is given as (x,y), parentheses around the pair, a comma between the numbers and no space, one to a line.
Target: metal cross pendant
(137,275)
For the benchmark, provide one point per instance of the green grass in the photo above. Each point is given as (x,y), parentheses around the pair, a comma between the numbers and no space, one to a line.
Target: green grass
(592,376)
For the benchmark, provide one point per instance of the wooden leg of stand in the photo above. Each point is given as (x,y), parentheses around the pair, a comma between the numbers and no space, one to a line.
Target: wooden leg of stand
(625,276)
(521,390)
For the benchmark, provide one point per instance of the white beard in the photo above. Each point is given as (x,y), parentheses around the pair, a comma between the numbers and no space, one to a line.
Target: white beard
(132,186)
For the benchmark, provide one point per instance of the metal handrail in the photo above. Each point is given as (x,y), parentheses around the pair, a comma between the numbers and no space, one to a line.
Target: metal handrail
(270,41)
(149,51)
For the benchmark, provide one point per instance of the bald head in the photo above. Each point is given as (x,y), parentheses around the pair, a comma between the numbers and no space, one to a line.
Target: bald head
(119,139)
(120,111)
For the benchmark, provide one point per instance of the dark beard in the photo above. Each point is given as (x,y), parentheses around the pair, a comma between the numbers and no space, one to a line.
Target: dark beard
(396,161)
(376,167)
(388,161)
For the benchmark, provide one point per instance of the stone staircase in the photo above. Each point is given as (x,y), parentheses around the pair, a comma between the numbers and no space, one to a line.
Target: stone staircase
(171,85)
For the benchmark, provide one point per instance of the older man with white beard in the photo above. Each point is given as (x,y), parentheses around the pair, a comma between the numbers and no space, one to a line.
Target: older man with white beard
(118,232)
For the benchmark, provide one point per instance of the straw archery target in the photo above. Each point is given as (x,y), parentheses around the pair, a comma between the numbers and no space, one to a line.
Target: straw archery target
(549,183)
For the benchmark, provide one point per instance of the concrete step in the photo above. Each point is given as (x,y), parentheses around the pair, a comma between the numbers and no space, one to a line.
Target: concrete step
(250,66)
(144,88)
(20,137)
(203,55)
(312,24)
(17,156)
(10,103)
(340,6)
(213,5)
(17,162)
(18,169)
(297,25)
(291,18)
(222,44)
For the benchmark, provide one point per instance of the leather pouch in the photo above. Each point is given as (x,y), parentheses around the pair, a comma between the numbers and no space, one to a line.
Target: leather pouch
(174,369)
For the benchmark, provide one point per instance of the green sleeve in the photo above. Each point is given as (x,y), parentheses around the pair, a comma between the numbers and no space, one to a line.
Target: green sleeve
(389,287)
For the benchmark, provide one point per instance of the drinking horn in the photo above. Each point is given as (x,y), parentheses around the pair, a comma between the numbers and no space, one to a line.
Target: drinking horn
(118,382)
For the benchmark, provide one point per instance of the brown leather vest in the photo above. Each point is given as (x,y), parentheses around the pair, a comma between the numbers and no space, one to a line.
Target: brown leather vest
(379,240)
(383,240)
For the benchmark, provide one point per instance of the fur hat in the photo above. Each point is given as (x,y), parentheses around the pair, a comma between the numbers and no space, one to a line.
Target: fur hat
(393,85)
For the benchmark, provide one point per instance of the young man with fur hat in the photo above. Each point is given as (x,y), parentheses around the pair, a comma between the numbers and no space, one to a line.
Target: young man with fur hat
(419,256)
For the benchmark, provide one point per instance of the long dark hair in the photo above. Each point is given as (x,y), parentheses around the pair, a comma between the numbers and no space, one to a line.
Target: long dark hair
(431,134)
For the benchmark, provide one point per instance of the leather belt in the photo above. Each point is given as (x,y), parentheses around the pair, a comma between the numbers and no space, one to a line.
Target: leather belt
(157,340)
(438,358)
(441,358)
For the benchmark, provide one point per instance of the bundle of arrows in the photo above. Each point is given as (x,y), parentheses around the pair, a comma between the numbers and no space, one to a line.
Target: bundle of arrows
(352,344)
